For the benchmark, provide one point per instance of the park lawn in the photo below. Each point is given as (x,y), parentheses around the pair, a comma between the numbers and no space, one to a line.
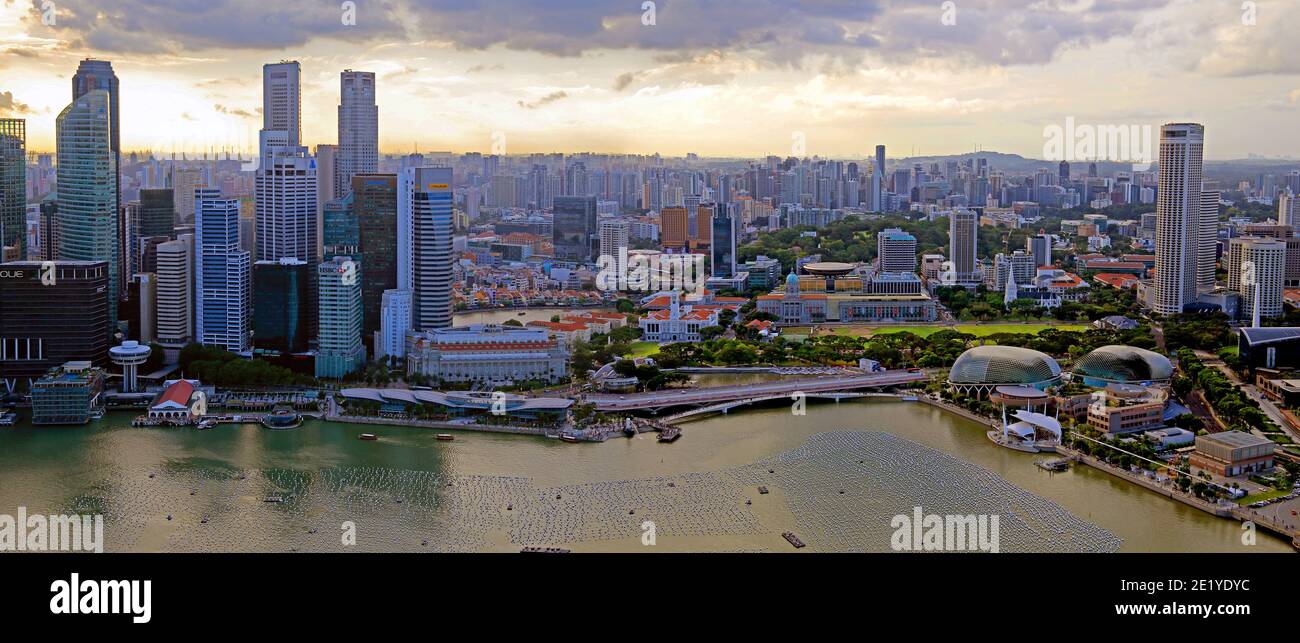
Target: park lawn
(1262,495)
(978,330)
(643,349)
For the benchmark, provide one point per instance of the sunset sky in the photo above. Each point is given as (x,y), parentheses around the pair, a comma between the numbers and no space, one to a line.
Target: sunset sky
(714,77)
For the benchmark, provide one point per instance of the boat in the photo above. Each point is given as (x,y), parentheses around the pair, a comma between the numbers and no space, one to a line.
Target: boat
(522,313)
(204,425)
(274,499)
(568,438)
(8,418)
(368,436)
(446,437)
(793,539)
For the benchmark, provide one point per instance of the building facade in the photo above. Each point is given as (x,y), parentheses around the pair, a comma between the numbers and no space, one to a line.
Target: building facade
(340,352)
(424,244)
(50,314)
(223,279)
(487,354)
(88,216)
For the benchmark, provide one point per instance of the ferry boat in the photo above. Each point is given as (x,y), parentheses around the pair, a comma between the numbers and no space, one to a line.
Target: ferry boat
(204,425)
(568,438)
(446,437)
(369,437)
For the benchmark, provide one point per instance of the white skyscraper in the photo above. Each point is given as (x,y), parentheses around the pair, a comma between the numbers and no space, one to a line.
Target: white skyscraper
(1256,268)
(223,279)
(1207,241)
(175,294)
(282,100)
(286,205)
(897,250)
(613,235)
(424,240)
(1180,210)
(1288,208)
(358,151)
(394,321)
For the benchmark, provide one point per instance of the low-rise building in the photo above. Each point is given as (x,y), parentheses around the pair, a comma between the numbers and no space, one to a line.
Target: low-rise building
(1233,453)
(69,394)
(176,403)
(1169,437)
(487,354)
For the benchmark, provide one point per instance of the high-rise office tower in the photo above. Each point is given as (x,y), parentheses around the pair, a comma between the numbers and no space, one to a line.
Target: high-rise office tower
(97,75)
(13,185)
(157,213)
(424,238)
(282,100)
(340,233)
(374,202)
(897,250)
(613,235)
(340,351)
(175,298)
(358,129)
(287,220)
(1256,266)
(673,229)
(722,245)
(327,163)
(878,181)
(280,305)
(87,213)
(1179,210)
(963,244)
(223,288)
(574,228)
(1288,208)
(394,321)
(1040,246)
(183,184)
(1207,240)
(50,314)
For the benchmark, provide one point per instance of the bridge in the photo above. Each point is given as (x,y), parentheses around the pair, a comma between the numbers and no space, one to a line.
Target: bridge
(723,407)
(655,401)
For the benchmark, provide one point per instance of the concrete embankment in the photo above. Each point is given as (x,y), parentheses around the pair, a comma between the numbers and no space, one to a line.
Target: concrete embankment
(429,424)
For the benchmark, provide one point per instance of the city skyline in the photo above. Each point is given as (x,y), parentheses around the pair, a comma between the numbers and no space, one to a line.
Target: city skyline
(833,82)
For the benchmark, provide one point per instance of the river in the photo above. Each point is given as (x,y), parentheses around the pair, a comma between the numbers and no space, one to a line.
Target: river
(411,492)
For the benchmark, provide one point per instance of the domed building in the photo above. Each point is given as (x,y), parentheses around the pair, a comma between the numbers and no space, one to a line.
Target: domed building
(1123,365)
(983,368)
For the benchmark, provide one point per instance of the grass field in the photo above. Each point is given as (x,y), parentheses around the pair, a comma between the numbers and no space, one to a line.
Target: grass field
(978,330)
(642,349)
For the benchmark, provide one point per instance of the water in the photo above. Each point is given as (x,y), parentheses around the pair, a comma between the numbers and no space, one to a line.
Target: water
(487,492)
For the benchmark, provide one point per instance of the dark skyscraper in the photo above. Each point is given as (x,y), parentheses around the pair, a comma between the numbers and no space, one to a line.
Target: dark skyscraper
(50,314)
(574,228)
(723,245)
(280,300)
(13,185)
(157,213)
(375,204)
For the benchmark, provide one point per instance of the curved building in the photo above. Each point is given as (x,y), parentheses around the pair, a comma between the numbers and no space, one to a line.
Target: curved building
(984,368)
(1122,364)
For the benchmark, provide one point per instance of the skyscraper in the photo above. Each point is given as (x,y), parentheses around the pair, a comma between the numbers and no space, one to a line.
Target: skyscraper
(183,184)
(1179,209)
(394,321)
(878,181)
(1288,209)
(574,228)
(358,151)
(897,250)
(340,350)
(1256,266)
(613,235)
(424,236)
(1040,246)
(963,243)
(50,314)
(282,100)
(374,202)
(673,229)
(87,176)
(287,220)
(222,273)
(1207,240)
(722,245)
(175,294)
(13,185)
(280,304)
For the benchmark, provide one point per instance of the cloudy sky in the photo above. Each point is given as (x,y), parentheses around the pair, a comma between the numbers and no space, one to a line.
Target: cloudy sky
(714,77)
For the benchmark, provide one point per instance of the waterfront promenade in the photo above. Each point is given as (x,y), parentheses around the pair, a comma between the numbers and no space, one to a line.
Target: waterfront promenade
(657,400)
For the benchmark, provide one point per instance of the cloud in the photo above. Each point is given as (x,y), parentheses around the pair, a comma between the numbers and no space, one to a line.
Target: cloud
(545,100)
(11,107)
(780,32)
(482,68)
(233,112)
(623,80)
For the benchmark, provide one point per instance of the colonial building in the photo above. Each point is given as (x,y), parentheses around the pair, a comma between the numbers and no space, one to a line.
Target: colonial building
(679,323)
(487,354)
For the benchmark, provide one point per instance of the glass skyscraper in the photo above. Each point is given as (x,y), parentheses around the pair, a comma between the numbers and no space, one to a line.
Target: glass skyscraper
(375,203)
(13,185)
(574,228)
(280,303)
(340,350)
(424,258)
(222,279)
(87,188)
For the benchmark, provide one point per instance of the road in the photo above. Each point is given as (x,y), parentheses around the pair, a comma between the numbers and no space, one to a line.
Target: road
(661,399)
(1270,409)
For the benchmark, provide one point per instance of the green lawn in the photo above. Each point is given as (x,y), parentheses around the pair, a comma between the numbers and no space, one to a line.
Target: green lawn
(642,349)
(978,330)
(1263,495)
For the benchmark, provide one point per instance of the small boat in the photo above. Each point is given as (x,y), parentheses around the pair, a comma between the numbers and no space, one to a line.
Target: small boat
(274,499)
(568,438)
(368,436)
(204,425)
(446,437)
(523,313)
(793,539)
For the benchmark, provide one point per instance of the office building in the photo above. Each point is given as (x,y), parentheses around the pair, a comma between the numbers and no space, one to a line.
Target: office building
(424,253)
(340,352)
(282,100)
(722,245)
(281,298)
(358,151)
(374,202)
(13,185)
(88,216)
(72,393)
(50,314)
(897,250)
(613,235)
(223,289)
(183,184)
(1040,245)
(963,244)
(394,322)
(175,312)
(340,233)
(1257,267)
(673,224)
(574,228)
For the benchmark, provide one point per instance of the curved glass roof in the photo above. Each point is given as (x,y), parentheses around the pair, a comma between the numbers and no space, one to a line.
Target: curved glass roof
(1124,364)
(1003,365)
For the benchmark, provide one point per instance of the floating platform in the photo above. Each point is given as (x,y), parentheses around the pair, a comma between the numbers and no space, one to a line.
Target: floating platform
(670,434)
(1059,464)
(793,539)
